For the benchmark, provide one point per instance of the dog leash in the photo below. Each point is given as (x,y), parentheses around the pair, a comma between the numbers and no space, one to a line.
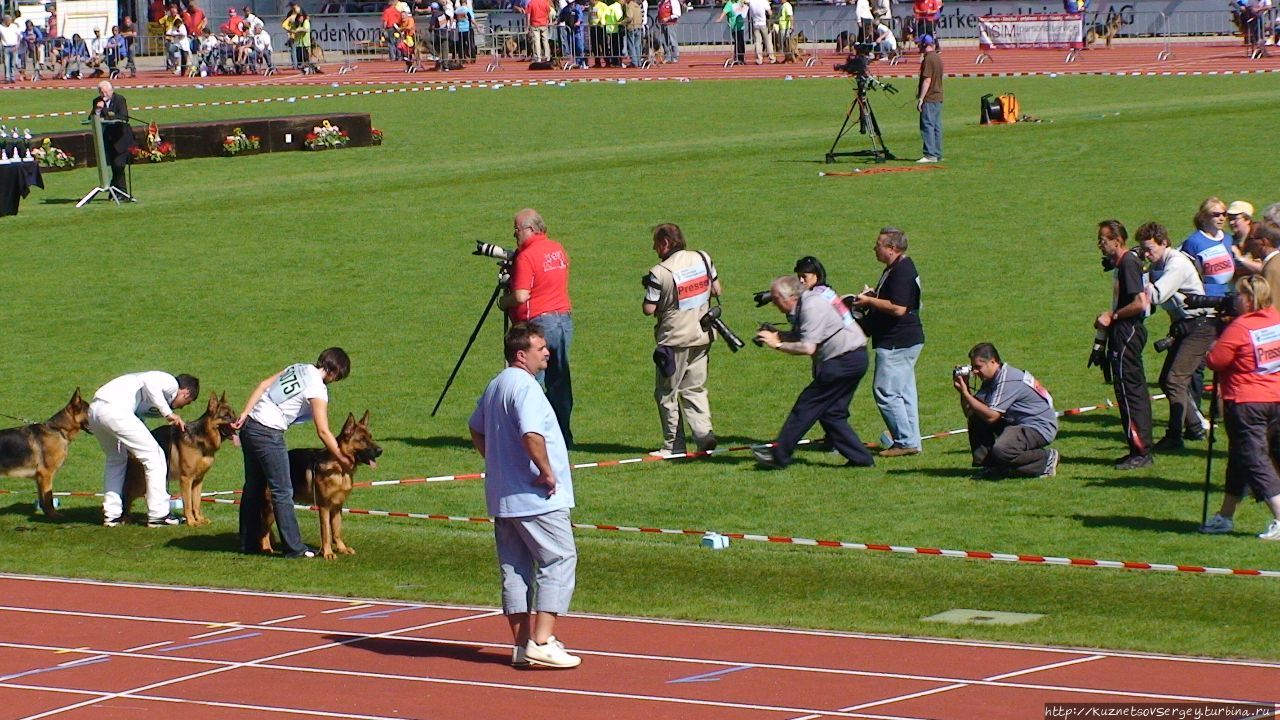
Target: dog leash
(23,420)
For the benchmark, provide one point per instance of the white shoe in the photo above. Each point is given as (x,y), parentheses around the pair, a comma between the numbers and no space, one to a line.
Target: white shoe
(1218,525)
(518,658)
(1273,531)
(666,454)
(926,159)
(552,654)
(1051,464)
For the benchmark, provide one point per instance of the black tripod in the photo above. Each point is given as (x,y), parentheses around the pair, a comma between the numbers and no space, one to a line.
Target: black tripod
(867,125)
(493,300)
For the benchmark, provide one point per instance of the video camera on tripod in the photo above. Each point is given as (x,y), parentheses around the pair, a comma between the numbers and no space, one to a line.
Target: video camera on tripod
(858,65)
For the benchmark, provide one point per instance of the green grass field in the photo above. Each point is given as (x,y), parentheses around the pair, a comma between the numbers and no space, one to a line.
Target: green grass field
(231,268)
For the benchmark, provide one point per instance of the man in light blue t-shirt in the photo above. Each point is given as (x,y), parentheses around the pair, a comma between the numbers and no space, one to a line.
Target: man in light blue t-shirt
(529,492)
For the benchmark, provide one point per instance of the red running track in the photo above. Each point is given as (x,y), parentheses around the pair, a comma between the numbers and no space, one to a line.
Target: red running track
(79,649)
(1225,56)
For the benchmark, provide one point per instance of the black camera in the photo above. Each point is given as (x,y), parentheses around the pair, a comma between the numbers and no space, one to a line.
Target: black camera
(762,298)
(1164,343)
(763,326)
(1224,304)
(1098,355)
(711,320)
(857,63)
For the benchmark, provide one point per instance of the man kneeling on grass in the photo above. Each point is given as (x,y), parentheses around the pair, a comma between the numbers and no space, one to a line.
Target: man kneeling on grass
(1011,417)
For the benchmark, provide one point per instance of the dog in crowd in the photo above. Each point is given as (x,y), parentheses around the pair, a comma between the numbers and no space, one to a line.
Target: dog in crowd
(1104,30)
(39,449)
(319,480)
(845,41)
(190,454)
(793,49)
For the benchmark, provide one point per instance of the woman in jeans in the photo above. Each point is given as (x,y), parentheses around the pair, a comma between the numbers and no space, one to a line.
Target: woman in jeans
(296,394)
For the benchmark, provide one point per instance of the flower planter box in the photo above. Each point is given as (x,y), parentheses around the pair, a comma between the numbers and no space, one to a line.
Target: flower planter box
(204,139)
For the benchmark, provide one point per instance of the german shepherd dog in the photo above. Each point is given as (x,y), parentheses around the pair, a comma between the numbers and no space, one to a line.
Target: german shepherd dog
(319,480)
(1104,30)
(38,450)
(190,454)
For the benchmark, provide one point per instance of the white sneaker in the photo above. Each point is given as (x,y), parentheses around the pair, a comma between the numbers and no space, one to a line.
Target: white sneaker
(926,159)
(518,658)
(666,454)
(1273,531)
(552,654)
(1051,464)
(1218,525)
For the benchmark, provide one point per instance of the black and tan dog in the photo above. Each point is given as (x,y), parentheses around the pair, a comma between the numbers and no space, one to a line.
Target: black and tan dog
(38,450)
(1104,30)
(319,480)
(190,454)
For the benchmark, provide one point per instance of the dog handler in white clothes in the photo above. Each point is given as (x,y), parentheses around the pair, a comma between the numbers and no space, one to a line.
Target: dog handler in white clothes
(529,492)
(296,394)
(113,419)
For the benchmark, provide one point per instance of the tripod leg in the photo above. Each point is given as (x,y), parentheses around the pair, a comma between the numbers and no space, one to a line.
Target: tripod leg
(844,127)
(1208,455)
(493,299)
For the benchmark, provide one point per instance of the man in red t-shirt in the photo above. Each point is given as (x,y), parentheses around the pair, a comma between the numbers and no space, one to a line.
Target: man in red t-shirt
(194,20)
(539,12)
(539,293)
(390,23)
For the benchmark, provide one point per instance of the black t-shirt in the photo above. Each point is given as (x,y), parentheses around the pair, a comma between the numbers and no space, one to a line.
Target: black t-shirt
(900,285)
(1128,284)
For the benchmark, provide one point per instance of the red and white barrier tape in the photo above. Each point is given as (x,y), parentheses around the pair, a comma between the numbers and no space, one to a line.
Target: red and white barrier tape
(875,547)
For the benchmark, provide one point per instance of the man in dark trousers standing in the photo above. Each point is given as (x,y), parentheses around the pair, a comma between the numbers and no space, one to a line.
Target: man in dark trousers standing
(1126,338)
(116,137)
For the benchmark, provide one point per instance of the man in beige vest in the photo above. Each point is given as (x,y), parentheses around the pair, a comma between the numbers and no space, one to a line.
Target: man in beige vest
(678,293)
(1263,243)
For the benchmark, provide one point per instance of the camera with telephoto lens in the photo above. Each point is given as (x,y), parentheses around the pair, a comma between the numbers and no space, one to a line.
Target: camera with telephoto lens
(1164,343)
(1224,304)
(711,320)
(962,371)
(763,326)
(762,298)
(499,253)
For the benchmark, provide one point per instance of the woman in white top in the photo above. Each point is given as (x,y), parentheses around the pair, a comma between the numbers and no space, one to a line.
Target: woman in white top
(296,394)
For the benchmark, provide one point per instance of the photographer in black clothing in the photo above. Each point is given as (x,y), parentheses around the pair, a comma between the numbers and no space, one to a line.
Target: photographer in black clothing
(1126,336)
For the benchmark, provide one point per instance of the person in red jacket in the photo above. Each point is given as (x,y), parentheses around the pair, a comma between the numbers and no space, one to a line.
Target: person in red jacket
(926,14)
(1246,360)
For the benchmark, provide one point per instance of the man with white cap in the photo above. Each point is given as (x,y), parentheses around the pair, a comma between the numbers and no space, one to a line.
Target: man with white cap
(1240,219)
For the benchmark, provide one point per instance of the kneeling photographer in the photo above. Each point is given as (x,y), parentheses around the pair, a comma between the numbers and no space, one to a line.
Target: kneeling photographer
(678,294)
(839,361)
(1011,417)
(1246,360)
(1192,329)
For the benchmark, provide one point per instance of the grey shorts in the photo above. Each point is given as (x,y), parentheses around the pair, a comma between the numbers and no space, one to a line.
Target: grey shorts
(538,561)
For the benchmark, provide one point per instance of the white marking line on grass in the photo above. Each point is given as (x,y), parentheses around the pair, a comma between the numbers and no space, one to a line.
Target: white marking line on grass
(625,619)
(233,666)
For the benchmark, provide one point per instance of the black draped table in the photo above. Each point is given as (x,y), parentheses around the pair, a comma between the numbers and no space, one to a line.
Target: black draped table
(16,181)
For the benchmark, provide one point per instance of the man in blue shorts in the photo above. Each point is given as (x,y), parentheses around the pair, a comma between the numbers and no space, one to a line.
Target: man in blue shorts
(529,492)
